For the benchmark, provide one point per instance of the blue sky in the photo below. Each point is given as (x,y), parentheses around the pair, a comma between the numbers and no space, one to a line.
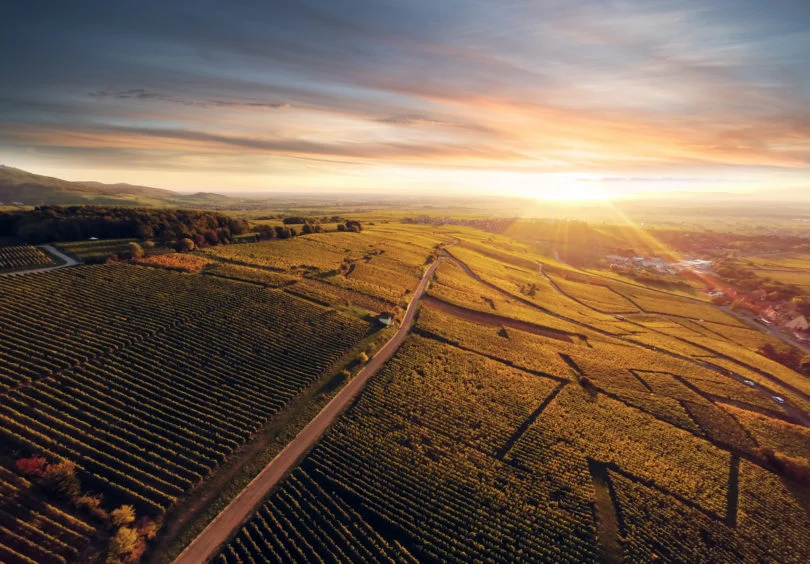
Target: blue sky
(541,98)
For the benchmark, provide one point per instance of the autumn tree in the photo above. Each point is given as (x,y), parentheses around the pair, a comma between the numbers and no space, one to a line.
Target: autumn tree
(124,515)
(124,542)
(61,477)
(134,250)
(31,466)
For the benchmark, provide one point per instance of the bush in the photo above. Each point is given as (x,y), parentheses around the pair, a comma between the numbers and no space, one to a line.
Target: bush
(134,250)
(124,515)
(61,477)
(31,466)
(91,504)
(185,245)
(124,542)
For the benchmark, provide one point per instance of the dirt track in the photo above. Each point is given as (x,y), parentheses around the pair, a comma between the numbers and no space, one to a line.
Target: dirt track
(207,543)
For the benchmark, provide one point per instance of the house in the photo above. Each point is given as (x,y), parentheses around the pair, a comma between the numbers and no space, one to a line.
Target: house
(797,324)
(386,318)
(760,295)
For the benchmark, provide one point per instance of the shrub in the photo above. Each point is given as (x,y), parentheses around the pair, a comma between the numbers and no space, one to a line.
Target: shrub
(134,250)
(91,504)
(124,515)
(61,477)
(31,466)
(124,542)
(185,245)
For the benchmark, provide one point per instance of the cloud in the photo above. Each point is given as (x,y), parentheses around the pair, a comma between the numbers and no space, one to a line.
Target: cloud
(142,94)
(612,88)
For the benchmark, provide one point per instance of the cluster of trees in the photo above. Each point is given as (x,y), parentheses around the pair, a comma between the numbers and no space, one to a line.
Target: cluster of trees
(267,232)
(55,223)
(351,226)
(59,478)
(299,220)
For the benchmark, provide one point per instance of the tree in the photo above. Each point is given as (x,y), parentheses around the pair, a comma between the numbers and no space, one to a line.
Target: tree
(124,542)
(211,237)
(134,250)
(353,226)
(341,227)
(363,358)
(185,245)
(124,515)
(283,232)
(61,477)
(31,466)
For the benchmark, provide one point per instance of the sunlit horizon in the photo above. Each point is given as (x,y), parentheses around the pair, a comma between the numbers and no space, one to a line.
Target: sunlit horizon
(569,103)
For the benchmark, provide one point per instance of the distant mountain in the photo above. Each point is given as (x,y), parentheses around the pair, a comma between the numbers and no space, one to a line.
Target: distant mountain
(21,187)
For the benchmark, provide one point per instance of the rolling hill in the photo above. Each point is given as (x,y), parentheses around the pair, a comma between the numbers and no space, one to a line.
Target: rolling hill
(26,188)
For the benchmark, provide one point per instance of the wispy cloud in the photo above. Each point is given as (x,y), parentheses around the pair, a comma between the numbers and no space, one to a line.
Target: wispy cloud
(628,89)
(142,94)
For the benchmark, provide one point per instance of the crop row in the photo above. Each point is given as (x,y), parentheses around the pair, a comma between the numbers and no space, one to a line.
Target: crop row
(22,256)
(148,410)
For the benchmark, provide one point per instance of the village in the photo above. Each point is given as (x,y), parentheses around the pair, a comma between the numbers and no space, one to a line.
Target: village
(776,307)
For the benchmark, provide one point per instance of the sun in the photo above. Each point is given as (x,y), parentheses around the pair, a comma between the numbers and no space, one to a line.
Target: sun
(577,192)
(557,188)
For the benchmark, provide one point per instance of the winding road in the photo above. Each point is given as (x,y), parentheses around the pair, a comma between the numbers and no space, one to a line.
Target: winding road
(208,542)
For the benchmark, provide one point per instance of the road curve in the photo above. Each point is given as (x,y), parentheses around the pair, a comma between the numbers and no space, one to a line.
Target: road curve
(224,525)
(68,261)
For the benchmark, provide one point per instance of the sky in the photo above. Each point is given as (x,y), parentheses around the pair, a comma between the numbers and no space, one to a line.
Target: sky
(549,99)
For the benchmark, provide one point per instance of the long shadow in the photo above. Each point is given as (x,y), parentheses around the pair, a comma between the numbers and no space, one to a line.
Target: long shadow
(800,415)
(609,524)
(496,320)
(520,431)
(733,499)
(387,528)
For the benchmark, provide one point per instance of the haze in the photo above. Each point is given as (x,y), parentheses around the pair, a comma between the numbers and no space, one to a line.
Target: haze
(561,100)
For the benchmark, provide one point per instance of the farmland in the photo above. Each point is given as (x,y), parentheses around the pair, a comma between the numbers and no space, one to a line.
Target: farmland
(22,256)
(599,419)
(147,390)
(469,420)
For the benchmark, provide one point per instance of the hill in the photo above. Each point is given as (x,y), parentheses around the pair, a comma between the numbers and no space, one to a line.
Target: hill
(26,188)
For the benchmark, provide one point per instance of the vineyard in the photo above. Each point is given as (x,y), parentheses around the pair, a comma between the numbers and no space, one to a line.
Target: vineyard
(598,420)
(367,269)
(97,250)
(632,440)
(22,256)
(148,379)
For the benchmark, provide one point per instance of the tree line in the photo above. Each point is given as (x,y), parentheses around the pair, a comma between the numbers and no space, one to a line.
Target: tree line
(185,229)
(55,223)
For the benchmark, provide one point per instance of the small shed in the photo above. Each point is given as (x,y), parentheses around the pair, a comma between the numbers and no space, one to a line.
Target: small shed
(386,318)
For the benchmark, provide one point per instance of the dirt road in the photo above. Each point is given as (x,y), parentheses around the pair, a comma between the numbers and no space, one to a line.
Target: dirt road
(206,545)
(66,261)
